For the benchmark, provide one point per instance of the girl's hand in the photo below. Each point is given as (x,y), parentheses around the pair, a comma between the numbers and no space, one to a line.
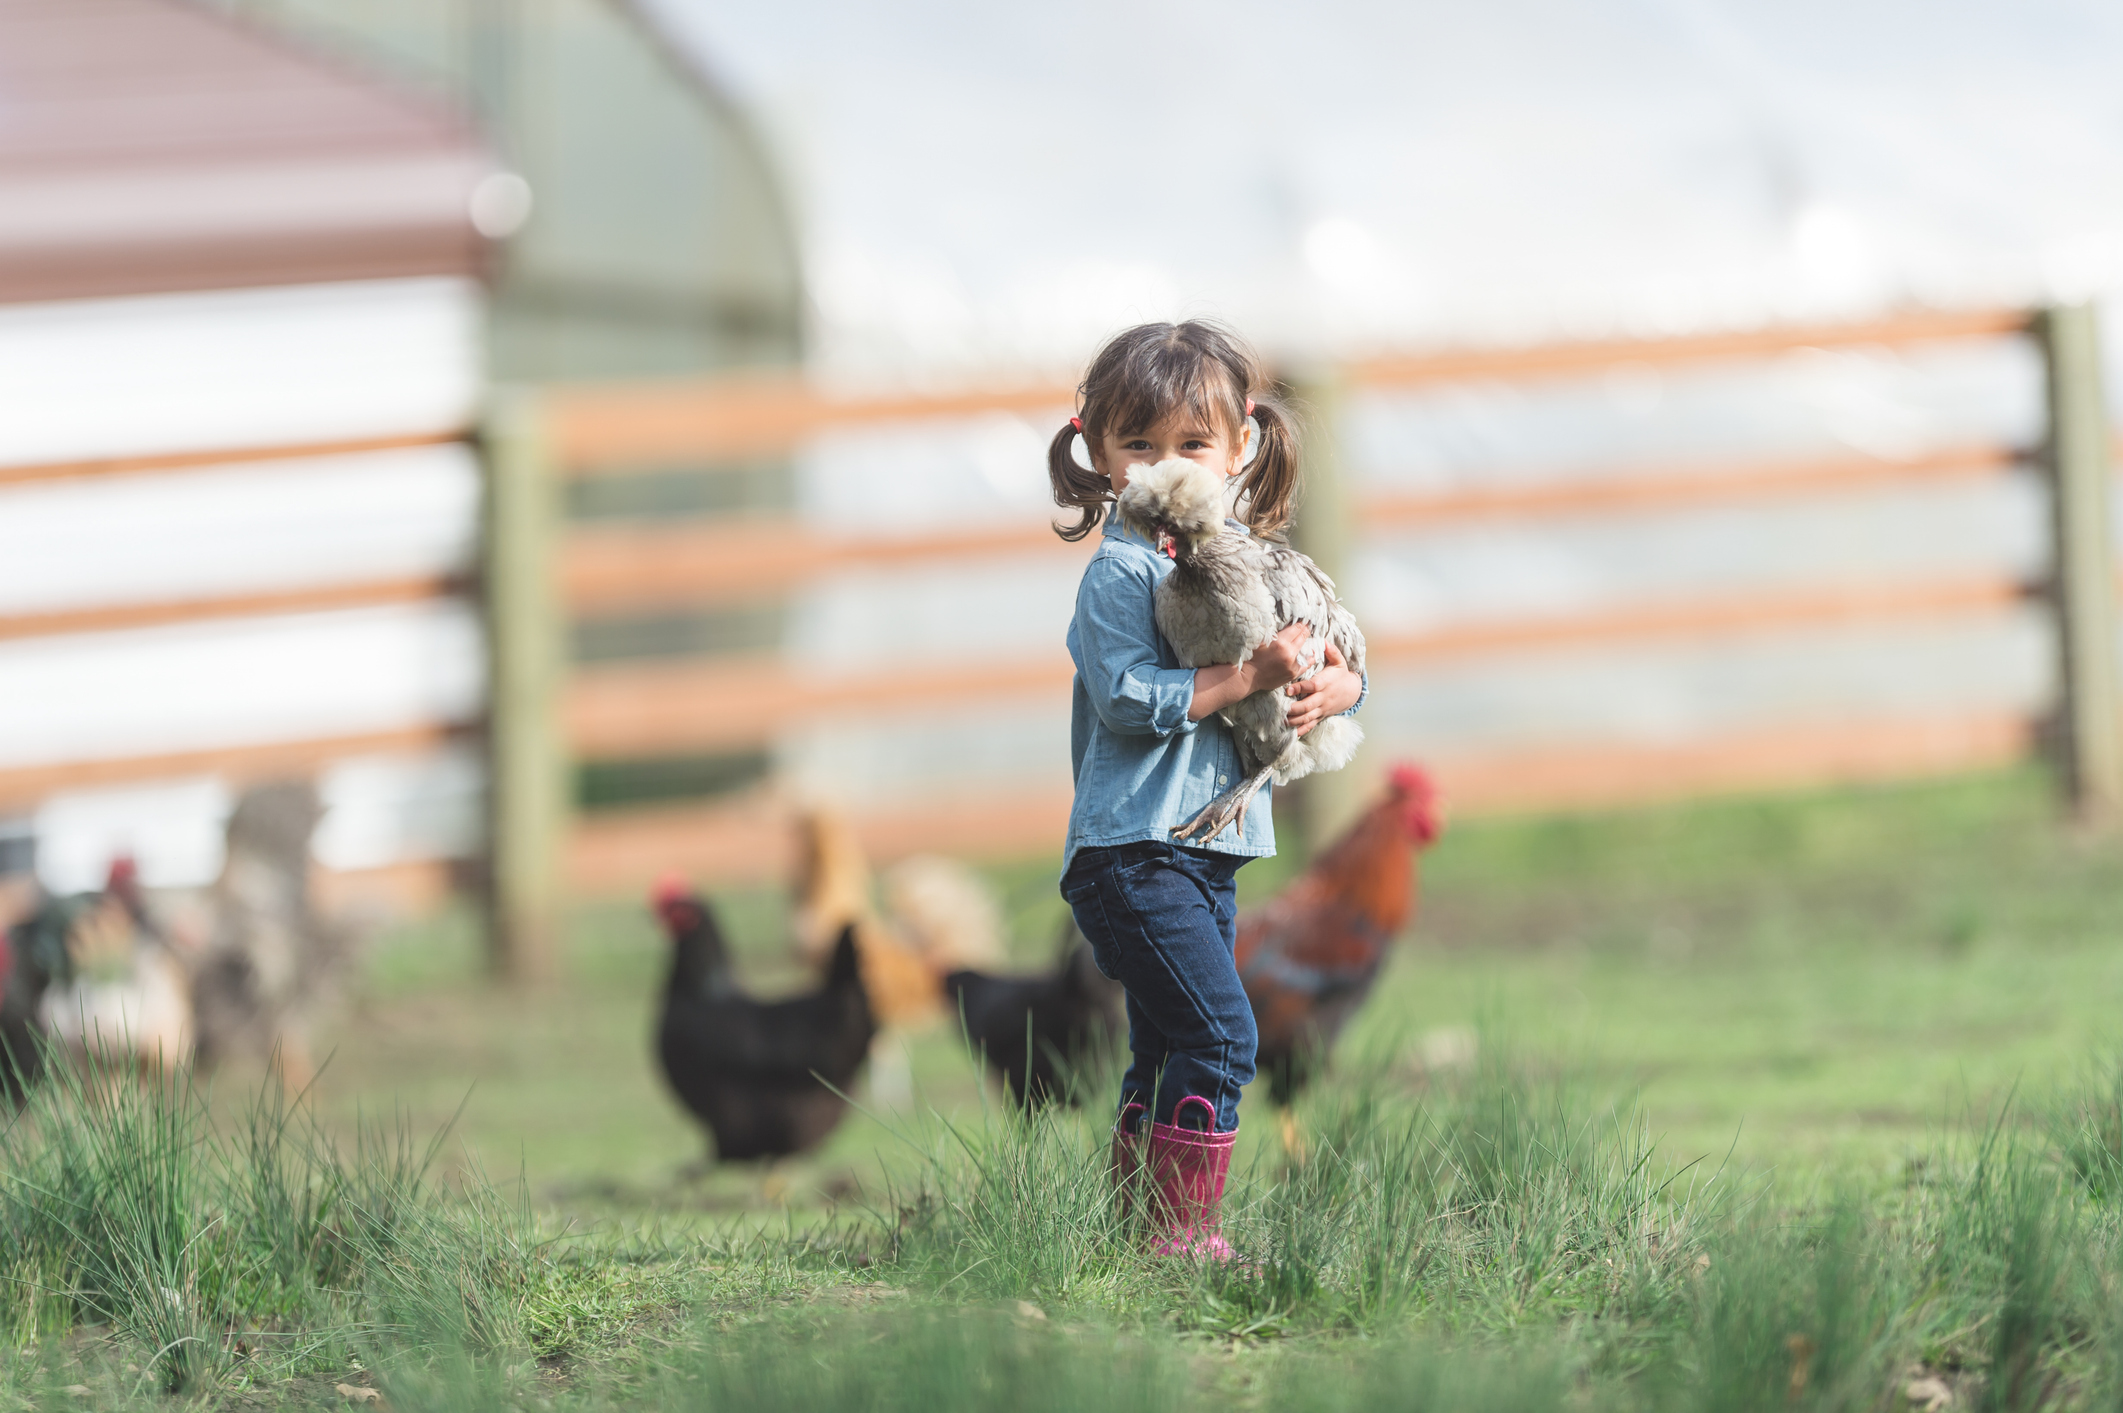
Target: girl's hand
(1277,662)
(1328,692)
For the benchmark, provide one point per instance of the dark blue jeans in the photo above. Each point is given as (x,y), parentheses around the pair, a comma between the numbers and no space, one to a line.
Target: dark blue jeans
(1162,921)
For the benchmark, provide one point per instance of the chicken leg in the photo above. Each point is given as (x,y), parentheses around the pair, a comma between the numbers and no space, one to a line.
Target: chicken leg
(1226,809)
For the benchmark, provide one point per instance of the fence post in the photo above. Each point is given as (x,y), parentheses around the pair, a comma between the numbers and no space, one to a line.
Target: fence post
(527,765)
(2080,465)
(1327,803)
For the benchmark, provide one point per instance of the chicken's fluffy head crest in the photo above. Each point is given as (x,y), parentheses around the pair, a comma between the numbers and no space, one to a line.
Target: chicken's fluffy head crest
(1177,500)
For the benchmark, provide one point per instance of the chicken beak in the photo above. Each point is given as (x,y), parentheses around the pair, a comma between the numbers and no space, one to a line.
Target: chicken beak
(1168,547)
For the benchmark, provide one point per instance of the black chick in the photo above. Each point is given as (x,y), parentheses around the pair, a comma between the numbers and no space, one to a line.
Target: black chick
(1034,1031)
(766,1077)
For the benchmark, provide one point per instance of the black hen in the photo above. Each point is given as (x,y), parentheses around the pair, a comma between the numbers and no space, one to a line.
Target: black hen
(33,955)
(766,1077)
(1034,1031)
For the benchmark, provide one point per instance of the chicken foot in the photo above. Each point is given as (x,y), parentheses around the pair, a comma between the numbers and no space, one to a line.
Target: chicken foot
(1226,809)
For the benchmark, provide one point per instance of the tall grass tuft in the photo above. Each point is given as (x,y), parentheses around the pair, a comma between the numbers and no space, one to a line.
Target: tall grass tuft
(1488,1199)
(1012,1204)
(123,1204)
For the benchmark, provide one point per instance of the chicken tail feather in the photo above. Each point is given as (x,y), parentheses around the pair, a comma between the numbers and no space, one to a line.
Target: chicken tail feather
(846,967)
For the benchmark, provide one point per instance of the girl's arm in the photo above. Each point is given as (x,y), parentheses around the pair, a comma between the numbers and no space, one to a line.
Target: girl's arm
(1118,652)
(1273,664)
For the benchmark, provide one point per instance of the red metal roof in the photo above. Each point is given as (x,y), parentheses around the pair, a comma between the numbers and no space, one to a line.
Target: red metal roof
(149,145)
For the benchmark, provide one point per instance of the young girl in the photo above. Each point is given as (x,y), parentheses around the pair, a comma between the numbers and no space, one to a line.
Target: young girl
(1149,753)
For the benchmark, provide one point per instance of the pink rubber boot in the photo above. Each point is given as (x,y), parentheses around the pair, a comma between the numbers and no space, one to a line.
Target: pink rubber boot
(1188,1168)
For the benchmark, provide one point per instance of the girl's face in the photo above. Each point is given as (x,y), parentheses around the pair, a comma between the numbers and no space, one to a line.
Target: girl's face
(1177,436)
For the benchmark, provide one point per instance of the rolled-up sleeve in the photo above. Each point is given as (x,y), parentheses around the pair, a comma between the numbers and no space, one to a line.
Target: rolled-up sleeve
(1363,690)
(1119,654)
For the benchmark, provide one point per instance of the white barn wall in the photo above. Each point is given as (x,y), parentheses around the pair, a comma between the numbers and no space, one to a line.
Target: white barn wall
(229,371)
(224,370)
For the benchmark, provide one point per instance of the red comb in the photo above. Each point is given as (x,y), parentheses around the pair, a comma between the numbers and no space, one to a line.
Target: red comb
(671,888)
(124,873)
(1408,778)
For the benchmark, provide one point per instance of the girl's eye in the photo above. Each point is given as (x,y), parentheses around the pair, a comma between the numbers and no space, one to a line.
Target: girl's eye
(1138,444)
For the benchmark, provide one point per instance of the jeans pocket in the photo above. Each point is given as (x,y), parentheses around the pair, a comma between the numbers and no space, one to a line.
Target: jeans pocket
(1081,893)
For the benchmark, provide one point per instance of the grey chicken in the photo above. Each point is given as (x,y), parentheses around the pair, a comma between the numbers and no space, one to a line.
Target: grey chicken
(272,960)
(1230,591)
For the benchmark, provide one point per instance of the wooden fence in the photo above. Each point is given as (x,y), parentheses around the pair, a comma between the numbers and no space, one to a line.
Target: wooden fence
(544,572)
(237,762)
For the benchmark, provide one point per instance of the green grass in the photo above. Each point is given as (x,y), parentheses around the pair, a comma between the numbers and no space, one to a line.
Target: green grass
(1499,1240)
(1820,979)
(1775,1104)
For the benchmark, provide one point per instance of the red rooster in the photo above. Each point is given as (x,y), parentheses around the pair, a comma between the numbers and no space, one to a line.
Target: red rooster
(1309,956)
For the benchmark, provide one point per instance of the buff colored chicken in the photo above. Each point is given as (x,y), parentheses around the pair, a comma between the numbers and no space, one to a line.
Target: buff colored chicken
(940,918)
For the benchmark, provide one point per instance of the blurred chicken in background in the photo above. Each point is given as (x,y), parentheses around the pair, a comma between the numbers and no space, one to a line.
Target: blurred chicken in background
(940,917)
(116,996)
(766,1078)
(22,982)
(270,961)
(36,957)
(1310,956)
(1042,1035)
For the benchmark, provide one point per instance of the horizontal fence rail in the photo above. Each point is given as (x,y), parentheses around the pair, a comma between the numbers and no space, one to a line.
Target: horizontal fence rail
(726,692)
(101,627)
(239,764)
(642,710)
(600,430)
(319,599)
(27,474)
(1673,490)
(605,570)
(1552,360)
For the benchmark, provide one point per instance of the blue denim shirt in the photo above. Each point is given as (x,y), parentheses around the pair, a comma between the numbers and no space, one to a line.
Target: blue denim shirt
(1141,767)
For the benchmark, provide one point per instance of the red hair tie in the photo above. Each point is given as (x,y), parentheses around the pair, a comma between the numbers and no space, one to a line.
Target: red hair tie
(1077,422)
(1249,407)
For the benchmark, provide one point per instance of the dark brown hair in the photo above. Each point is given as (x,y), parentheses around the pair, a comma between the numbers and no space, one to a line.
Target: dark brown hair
(1144,375)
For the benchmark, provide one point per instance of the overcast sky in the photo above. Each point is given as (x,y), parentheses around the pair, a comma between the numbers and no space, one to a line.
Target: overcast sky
(984,185)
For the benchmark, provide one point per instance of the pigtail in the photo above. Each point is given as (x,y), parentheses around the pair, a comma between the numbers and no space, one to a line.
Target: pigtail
(1074,487)
(1268,493)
